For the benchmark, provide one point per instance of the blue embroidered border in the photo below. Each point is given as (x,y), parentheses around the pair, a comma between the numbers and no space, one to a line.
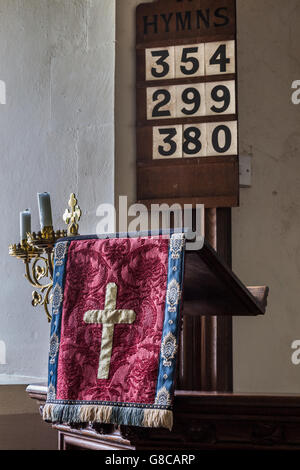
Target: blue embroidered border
(60,261)
(171,328)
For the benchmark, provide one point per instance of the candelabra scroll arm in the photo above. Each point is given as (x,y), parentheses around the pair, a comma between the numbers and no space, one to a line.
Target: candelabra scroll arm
(38,273)
(28,275)
(46,302)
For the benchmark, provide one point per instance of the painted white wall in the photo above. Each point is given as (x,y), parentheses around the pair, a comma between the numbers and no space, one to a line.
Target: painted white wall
(2,353)
(266,244)
(2,92)
(57,134)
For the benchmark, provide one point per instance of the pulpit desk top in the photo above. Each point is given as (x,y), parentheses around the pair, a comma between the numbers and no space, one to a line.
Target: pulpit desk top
(211,288)
(203,420)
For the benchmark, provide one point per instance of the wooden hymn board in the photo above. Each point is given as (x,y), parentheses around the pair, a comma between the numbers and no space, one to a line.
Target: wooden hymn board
(186,102)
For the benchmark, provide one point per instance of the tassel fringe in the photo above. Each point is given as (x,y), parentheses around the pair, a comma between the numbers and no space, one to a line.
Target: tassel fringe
(143,417)
(95,414)
(158,419)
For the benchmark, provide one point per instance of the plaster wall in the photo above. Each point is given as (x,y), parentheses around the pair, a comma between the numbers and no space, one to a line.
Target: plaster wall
(57,134)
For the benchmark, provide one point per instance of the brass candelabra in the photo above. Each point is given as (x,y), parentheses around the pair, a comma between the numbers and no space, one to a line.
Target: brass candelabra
(36,252)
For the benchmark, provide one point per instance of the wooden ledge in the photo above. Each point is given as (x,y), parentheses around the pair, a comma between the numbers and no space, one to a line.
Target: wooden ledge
(212,289)
(202,421)
(204,399)
(263,401)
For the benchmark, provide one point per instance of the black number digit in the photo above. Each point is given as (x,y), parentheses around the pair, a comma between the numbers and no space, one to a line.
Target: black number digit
(215,139)
(192,60)
(195,100)
(163,55)
(192,137)
(170,133)
(219,58)
(224,97)
(157,112)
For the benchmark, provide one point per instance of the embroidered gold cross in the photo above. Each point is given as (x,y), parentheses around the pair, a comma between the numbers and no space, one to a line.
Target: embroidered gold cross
(109,317)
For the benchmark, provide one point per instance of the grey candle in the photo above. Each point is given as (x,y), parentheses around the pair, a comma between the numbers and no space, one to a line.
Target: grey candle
(25,224)
(45,210)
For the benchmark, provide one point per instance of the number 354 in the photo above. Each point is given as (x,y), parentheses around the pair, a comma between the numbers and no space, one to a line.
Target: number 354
(193,60)
(199,140)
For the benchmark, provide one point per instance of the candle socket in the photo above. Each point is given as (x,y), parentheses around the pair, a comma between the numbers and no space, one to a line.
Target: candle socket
(47,233)
(46,238)
(23,251)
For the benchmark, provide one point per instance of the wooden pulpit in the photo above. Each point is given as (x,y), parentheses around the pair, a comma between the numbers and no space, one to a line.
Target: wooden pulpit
(207,414)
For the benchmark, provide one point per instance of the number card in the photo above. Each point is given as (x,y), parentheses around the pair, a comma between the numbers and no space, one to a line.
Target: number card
(160,63)
(187,119)
(189,61)
(222,138)
(219,57)
(190,100)
(161,102)
(167,142)
(195,140)
(220,98)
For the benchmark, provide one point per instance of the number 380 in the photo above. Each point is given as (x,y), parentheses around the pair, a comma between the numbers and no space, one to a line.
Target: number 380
(195,140)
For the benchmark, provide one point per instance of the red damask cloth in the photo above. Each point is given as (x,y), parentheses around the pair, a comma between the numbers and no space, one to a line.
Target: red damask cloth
(139,268)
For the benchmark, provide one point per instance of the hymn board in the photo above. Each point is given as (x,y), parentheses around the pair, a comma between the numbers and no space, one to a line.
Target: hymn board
(187,125)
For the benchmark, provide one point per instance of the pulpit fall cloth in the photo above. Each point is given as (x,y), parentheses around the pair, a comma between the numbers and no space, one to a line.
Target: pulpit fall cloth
(115,329)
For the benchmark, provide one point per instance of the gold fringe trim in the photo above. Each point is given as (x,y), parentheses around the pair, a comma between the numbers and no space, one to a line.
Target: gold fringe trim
(95,413)
(47,412)
(158,419)
(68,414)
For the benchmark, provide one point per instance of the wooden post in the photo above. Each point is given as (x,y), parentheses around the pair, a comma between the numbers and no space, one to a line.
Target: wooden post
(206,342)
(216,334)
